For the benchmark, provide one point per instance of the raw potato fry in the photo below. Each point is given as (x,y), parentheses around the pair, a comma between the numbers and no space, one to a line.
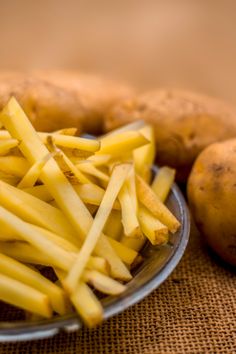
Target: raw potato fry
(87,305)
(122,143)
(150,200)
(153,229)
(89,169)
(15,293)
(145,155)
(128,215)
(35,211)
(33,174)
(66,131)
(7,145)
(113,227)
(39,192)
(26,253)
(34,279)
(99,160)
(137,125)
(133,243)
(117,179)
(4,134)
(19,126)
(10,179)
(128,255)
(14,165)
(92,194)
(72,142)
(163,181)
(103,283)
(131,184)
(36,238)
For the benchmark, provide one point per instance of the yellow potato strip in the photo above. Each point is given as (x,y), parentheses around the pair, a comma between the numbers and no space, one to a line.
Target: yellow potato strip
(153,229)
(7,145)
(150,200)
(163,181)
(89,169)
(19,126)
(116,181)
(36,238)
(103,283)
(23,296)
(14,165)
(122,143)
(127,254)
(34,279)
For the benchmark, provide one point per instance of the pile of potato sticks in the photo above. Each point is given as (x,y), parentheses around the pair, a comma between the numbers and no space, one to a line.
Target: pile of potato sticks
(83,207)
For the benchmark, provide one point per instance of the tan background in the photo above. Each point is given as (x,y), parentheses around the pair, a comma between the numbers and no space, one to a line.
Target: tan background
(190,43)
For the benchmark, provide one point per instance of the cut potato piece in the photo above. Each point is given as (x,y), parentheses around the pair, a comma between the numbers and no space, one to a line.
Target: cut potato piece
(23,296)
(116,181)
(163,182)
(128,215)
(39,192)
(150,200)
(34,279)
(145,155)
(33,174)
(72,142)
(103,283)
(89,169)
(122,143)
(137,125)
(7,145)
(92,194)
(153,229)
(36,238)
(35,211)
(114,227)
(87,305)
(128,255)
(14,165)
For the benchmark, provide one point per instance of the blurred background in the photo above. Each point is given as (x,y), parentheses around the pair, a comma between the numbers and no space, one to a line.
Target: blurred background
(180,43)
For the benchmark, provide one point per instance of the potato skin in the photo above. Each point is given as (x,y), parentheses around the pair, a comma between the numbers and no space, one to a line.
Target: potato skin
(184,122)
(60,99)
(212,197)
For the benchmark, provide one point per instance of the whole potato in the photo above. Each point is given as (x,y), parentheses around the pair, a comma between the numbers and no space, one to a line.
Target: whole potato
(59,99)
(185,123)
(212,197)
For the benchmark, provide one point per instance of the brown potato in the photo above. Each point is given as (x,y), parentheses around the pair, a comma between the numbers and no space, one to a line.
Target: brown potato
(212,197)
(185,123)
(57,99)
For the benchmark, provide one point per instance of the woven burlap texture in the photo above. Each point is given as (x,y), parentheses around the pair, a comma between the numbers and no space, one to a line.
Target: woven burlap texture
(194,311)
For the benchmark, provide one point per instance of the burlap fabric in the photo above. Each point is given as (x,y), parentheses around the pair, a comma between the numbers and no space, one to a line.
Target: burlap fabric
(194,311)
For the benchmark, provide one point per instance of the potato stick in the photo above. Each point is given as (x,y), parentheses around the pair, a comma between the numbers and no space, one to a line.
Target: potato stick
(99,160)
(163,182)
(36,238)
(72,168)
(92,194)
(153,229)
(121,143)
(93,171)
(7,145)
(65,131)
(137,125)
(35,211)
(23,296)
(127,254)
(116,181)
(150,200)
(34,279)
(99,264)
(103,283)
(14,165)
(131,185)
(26,253)
(19,126)
(72,142)
(87,305)
(133,243)
(39,192)
(114,227)
(145,155)
(10,179)
(33,174)
(128,216)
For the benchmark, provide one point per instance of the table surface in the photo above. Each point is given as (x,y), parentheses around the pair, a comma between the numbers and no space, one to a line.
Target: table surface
(194,311)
